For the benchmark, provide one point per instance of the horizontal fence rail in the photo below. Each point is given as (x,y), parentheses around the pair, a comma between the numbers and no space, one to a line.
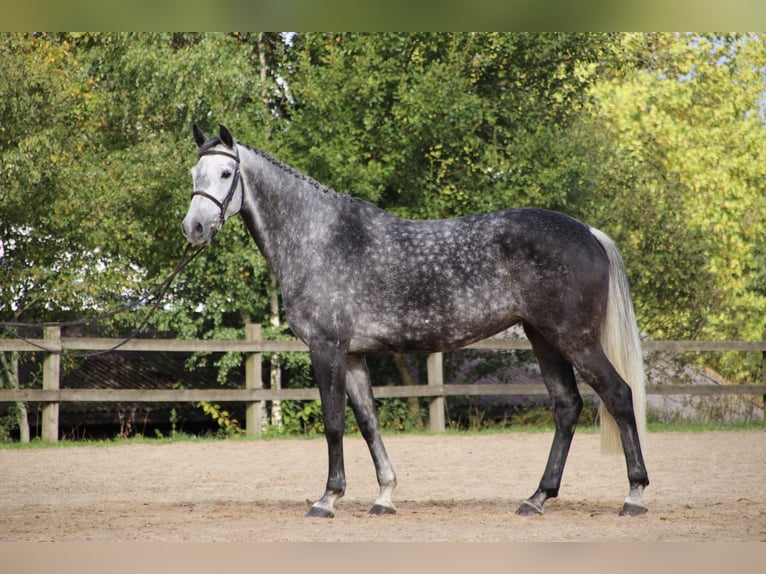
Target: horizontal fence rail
(263,346)
(254,394)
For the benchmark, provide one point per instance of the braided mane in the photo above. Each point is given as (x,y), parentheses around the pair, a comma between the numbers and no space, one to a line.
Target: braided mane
(297,174)
(216,140)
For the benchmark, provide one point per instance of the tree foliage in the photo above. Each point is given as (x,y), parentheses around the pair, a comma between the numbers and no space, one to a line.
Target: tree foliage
(658,139)
(690,131)
(438,125)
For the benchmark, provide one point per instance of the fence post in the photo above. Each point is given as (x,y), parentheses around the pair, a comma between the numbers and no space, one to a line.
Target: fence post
(51,377)
(255,412)
(435,368)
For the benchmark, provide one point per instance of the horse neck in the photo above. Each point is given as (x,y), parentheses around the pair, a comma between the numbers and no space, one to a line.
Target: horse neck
(281,206)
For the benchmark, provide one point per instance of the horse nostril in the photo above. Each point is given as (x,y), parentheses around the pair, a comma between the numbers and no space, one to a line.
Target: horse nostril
(192,230)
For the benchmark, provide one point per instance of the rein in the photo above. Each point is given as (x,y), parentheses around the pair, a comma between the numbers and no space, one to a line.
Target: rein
(236,180)
(158,293)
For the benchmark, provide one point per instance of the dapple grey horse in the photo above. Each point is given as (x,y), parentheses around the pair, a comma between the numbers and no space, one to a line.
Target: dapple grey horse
(355,280)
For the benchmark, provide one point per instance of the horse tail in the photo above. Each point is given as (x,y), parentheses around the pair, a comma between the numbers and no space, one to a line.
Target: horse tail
(622,346)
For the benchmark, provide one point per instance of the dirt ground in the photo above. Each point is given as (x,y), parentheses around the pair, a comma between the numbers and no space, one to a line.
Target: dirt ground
(705,486)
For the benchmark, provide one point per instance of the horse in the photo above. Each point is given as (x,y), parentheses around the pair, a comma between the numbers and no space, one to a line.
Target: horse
(355,280)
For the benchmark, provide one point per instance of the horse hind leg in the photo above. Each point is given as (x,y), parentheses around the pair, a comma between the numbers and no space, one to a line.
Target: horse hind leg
(617,397)
(558,376)
(359,389)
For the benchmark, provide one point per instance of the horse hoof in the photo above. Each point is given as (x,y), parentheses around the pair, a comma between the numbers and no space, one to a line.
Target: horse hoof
(380,510)
(319,512)
(631,509)
(528,508)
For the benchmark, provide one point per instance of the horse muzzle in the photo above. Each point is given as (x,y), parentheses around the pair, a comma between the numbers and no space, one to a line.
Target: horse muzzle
(197,232)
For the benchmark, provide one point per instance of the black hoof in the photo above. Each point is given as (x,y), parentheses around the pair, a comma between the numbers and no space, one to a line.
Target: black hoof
(528,508)
(318,512)
(629,509)
(380,510)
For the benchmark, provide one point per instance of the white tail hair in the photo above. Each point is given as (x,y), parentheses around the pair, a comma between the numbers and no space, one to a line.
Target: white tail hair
(622,345)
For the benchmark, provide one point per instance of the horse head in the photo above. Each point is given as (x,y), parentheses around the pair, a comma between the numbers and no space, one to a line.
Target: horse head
(216,179)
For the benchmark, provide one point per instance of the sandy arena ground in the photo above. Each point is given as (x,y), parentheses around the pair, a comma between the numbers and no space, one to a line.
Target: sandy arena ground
(706,486)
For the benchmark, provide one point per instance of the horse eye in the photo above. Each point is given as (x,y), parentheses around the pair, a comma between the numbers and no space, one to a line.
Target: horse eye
(226,174)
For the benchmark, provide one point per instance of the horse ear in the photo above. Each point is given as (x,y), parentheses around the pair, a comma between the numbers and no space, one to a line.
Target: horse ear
(225,136)
(199,135)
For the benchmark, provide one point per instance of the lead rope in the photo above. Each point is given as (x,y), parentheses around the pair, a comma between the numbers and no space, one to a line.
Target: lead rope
(158,293)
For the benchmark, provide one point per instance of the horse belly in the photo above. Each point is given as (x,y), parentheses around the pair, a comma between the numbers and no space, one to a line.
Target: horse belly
(428,330)
(435,303)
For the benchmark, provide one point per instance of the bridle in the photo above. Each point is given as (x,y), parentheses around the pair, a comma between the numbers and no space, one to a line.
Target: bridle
(236,180)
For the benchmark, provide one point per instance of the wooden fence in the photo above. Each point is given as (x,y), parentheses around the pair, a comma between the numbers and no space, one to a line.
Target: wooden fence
(254,394)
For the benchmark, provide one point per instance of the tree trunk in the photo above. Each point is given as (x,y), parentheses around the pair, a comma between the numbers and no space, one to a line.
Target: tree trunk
(275,377)
(405,375)
(10,372)
(264,90)
(276,370)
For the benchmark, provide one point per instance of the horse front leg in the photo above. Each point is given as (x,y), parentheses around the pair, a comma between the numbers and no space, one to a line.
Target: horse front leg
(359,389)
(329,363)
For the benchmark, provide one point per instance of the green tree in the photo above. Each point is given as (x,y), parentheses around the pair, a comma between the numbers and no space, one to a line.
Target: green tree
(688,138)
(655,138)
(437,125)
(92,179)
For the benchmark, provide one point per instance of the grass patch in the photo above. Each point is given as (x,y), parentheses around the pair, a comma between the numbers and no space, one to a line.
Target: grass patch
(37,443)
(540,427)
(704,427)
